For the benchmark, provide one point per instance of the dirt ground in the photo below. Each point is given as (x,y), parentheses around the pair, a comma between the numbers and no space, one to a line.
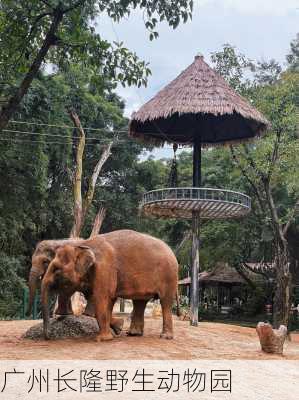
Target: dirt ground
(208,341)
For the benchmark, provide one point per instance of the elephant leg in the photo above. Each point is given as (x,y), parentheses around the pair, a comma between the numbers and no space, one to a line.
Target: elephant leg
(137,318)
(64,305)
(116,323)
(167,331)
(89,309)
(103,315)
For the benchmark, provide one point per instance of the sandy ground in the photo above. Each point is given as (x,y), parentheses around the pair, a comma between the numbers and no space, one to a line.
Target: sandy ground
(208,341)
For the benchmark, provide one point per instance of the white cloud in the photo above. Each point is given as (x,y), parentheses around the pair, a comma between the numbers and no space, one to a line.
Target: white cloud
(255,7)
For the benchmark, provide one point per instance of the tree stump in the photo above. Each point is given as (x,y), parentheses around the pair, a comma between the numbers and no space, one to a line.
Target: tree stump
(271,340)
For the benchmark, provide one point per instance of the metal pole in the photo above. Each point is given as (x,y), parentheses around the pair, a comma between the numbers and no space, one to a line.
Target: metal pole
(122,305)
(194,297)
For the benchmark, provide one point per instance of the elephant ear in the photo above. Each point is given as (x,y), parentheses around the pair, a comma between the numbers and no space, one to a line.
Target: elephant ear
(85,258)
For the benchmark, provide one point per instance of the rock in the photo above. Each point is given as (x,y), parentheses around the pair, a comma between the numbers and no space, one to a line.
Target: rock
(272,340)
(69,326)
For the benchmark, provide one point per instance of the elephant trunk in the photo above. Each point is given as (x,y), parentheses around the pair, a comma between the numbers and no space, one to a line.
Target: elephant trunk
(33,278)
(45,308)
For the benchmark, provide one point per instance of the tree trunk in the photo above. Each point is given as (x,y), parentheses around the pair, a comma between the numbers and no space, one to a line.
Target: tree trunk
(9,109)
(77,189)
(81,206)
(98,222)
(282,297)
(94,177)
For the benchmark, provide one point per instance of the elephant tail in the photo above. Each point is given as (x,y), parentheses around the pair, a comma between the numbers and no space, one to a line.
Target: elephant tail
(177,297)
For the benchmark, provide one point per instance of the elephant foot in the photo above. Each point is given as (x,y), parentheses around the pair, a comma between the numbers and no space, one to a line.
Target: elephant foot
(117,326)
(104,337)
(135,332)
(166,335)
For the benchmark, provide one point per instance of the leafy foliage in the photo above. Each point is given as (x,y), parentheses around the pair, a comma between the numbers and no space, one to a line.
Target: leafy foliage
(24,25)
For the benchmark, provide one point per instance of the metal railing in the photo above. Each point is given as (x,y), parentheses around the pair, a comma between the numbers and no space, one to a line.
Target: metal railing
(190,193)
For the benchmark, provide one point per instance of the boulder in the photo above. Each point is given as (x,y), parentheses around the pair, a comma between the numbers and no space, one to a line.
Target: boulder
(70,326)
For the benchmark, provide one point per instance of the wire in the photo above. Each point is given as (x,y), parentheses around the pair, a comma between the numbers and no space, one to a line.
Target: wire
(40,141)
(67,143)
(53,135)
(99,140)
(64,126)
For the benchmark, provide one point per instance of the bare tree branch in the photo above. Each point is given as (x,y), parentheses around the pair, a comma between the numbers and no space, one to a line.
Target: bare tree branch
(81,207)
(93,180)
(260,271)
(98,222)
(77,187)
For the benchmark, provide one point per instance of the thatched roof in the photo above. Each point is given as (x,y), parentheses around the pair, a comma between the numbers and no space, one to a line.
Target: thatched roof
(222,273)
(198,102)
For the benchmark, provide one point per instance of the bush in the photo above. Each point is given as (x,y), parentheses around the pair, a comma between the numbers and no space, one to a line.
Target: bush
(255,304)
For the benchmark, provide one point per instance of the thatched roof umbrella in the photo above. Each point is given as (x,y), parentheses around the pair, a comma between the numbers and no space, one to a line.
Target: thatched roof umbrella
(199,103)
(199,108)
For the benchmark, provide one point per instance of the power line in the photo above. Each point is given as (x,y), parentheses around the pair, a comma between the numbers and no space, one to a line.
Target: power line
(65,126)
(44,142)
(54,135)
(116,144)
(99,140)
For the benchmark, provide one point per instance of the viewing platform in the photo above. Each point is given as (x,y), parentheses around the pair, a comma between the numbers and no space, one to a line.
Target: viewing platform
(181,202)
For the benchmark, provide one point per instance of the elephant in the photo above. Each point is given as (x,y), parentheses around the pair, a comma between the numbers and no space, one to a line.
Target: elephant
(41,258)
(122,263)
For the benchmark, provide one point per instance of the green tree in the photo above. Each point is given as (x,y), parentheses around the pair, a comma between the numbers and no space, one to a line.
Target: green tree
(36,169)
(64,32)
(293,56)
(270,168)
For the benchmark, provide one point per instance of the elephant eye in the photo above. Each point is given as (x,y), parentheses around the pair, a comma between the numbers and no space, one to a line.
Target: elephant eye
(56,268)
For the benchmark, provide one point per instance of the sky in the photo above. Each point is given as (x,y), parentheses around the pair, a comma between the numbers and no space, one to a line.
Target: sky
(260,29)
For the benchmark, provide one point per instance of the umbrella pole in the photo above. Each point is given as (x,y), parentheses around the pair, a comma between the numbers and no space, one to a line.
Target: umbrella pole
(194,296)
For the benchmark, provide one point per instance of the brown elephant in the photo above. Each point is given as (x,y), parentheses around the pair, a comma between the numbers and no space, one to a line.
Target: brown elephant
(122,263)
(41,258)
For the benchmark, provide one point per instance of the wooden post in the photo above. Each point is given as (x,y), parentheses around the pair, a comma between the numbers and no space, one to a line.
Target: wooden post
(194,296)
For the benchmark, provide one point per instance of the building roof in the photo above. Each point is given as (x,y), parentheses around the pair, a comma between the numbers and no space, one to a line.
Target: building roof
(222,273)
